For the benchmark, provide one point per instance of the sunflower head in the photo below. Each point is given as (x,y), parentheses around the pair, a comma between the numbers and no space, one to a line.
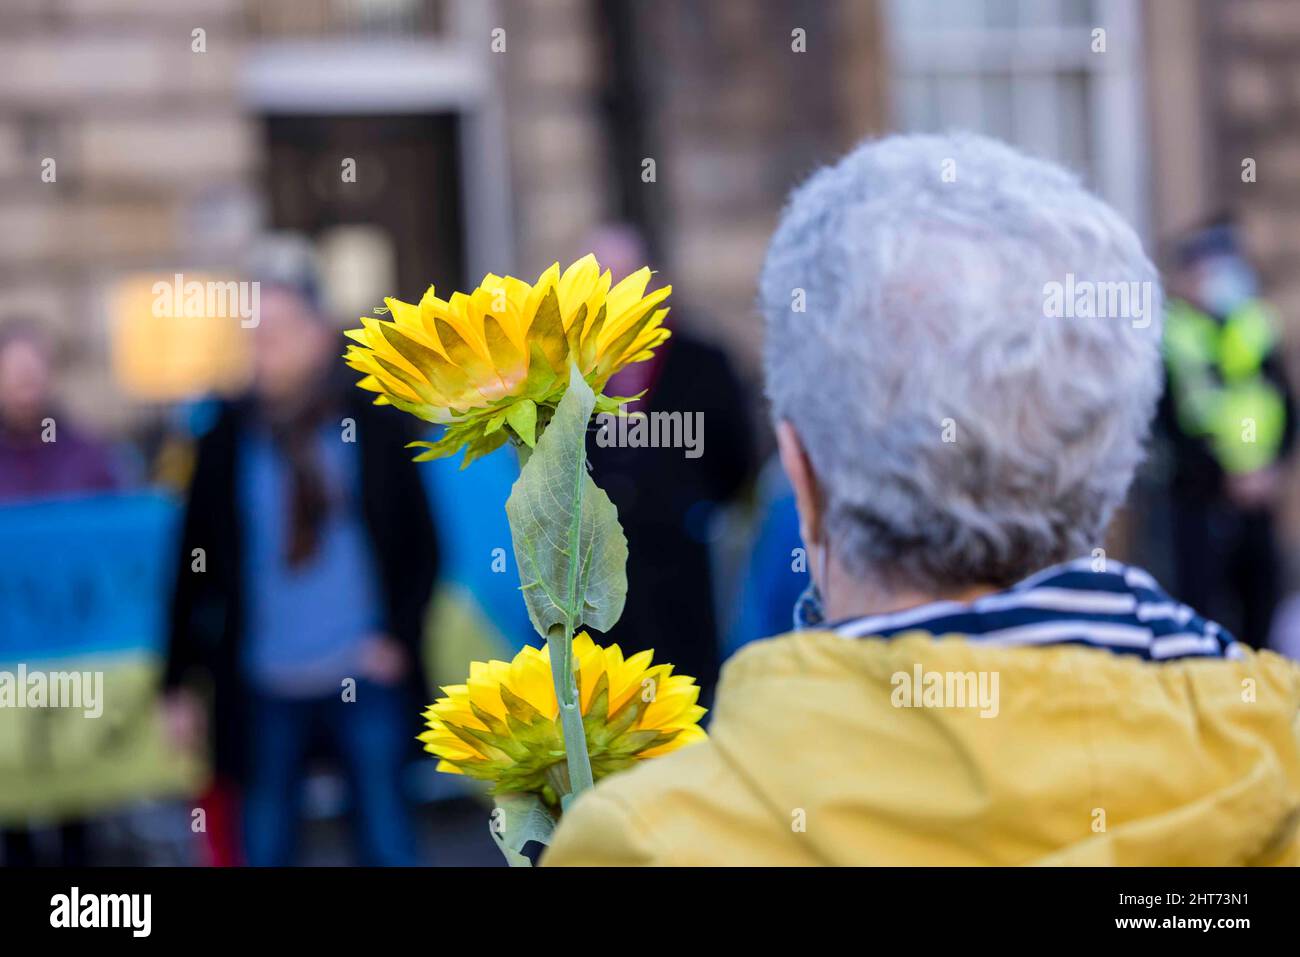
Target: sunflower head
(491,365)
(503,724)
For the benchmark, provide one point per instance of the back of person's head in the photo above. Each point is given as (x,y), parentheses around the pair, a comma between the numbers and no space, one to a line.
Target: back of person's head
(1217,237)
(1211,268)
(287,261)
(967,419)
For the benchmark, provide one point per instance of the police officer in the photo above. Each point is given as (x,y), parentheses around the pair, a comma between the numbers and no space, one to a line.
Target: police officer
(1230,421)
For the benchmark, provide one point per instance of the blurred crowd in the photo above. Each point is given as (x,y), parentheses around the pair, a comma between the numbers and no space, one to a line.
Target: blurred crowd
(322,585)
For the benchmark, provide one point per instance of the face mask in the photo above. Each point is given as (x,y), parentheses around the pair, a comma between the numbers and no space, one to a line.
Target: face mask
(810,609)
(1226,282)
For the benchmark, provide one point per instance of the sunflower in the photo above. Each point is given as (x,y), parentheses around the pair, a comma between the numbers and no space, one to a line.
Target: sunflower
(502,725)
(491,365)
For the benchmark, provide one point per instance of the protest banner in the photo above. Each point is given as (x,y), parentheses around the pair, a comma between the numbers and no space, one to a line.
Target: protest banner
(84,587)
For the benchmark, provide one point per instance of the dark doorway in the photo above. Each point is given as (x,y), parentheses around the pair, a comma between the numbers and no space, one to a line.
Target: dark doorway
(407,183)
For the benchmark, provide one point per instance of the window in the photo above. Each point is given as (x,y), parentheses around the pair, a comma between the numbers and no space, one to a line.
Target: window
(388,59)
(1025,71)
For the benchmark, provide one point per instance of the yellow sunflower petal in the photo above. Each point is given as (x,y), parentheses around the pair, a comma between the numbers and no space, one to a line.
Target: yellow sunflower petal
(461,737)
(468,360)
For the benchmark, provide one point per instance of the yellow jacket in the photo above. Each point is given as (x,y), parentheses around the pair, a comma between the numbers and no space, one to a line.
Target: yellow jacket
(1092,758)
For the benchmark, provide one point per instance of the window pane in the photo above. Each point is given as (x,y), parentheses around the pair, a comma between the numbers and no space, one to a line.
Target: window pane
(1075,138)
(916,105)
(960,103)
(1002,14)
(953,14)
(999,107)
(1078,13)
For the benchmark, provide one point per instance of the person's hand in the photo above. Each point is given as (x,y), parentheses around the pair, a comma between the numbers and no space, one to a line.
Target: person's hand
(184,720)
(383,660)
(1253,490)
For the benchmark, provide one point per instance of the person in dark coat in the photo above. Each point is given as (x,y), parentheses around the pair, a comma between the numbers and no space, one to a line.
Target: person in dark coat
(307,559)
(667,497)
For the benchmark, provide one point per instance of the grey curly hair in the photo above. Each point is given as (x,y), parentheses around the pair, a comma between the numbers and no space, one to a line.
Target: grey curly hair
(959,432)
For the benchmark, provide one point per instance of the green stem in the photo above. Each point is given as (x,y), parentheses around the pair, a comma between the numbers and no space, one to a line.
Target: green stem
(561,645)
(560,641)
(566,693)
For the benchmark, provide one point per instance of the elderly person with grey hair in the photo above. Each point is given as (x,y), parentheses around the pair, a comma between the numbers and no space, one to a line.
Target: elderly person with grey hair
(963,359)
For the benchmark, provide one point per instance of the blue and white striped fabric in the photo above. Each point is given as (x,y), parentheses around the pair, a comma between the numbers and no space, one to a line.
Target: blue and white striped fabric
(1083,602)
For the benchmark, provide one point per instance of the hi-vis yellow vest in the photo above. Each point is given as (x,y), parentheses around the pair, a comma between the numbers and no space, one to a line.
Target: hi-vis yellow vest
(1219,389)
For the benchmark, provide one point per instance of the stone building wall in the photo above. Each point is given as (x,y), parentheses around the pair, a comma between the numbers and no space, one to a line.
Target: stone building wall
(1224,87)
(729,112)
(550,79)
(160,163)
(149,148)
(1253,56)
(740,108)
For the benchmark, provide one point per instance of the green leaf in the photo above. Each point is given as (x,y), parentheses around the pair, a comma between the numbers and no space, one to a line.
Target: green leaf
(483,445)
(617,403)
(522,417)
(569,545)
(516,820)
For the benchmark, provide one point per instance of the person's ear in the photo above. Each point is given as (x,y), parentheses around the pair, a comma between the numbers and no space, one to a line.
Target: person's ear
(807,494)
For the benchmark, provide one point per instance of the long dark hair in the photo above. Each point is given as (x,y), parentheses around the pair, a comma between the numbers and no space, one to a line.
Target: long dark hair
(294,429)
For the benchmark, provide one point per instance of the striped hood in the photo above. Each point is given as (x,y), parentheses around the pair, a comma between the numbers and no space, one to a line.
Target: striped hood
(1100,604)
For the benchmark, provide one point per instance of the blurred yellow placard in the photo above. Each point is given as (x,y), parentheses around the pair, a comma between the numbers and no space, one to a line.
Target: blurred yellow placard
(57,764)
(180,335)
